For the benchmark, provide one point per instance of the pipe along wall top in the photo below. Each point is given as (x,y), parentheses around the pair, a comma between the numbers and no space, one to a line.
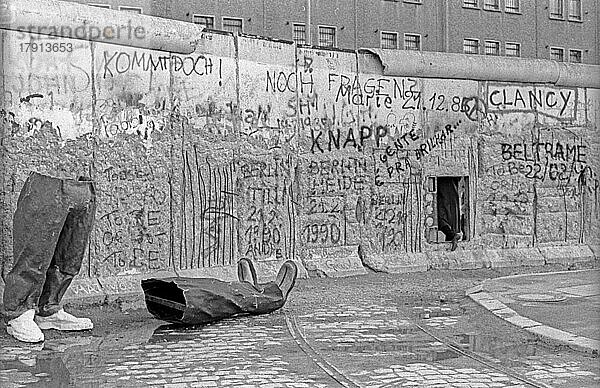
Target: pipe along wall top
(72,20)
(486,68)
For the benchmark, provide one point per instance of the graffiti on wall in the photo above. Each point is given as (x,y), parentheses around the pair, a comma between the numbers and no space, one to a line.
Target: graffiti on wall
(557,103)
(208,210)
(539,173)
(267,216)
(255,148)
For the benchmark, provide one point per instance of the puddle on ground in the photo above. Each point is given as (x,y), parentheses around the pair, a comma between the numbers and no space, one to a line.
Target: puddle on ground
(423,350)
(410,351)
(40,364)
(496,347)
(41,370)
(174,333)
(426,312)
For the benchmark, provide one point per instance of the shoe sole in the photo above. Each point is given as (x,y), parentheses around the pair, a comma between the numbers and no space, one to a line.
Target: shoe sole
(16,335)
(286,277)
(246,272)
(65,327)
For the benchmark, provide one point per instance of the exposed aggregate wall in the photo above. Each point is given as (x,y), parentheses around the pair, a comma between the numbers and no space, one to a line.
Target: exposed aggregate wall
(256,148)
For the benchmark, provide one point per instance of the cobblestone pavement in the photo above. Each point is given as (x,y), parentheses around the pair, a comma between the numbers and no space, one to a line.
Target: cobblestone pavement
(373,339)
(399,354)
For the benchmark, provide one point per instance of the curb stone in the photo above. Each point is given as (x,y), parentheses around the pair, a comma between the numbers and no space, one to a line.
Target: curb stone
(567,255)
(516,257)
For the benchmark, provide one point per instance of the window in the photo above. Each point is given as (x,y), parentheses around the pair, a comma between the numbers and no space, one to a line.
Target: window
(492,47)
(557,54)
(513,49)
(575,10)
(326,36)
(556,9)
(299,33)
(412,42)
(447,209)
(492,5)
(513,6)
(130,9)
(101,6)
(470,3)
(232,25)
(389,40)
(471,46)
(204,21)
(575,56)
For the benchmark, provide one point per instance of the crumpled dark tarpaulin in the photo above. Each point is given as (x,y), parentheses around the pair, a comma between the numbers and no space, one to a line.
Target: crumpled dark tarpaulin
(194,301)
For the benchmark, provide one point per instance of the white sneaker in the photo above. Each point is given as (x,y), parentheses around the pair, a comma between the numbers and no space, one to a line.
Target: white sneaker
(24,328)
(62,320)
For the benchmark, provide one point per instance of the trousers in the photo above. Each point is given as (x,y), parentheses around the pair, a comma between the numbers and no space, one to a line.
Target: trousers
(194,301)
(445,227)
(51,229)
(203,300)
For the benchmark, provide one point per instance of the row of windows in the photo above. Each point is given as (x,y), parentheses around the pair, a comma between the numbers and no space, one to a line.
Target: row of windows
(228,24)
(327,35)
(491,47)
(327,38)
(235,25)
(389,40)
(558,54)
(512,6)
(556,8)
(513,49)
(121,8)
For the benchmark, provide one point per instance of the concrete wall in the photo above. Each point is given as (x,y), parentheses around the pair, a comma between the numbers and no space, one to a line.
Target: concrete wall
(253,148)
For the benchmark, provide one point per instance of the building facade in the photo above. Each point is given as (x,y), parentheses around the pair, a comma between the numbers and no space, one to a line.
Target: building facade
(563,30)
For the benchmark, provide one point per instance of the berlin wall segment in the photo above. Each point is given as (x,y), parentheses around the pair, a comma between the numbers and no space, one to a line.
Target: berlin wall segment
(255,148)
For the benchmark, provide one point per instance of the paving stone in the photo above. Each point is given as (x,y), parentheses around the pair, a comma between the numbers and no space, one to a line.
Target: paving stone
(204,384)
(185,379)
(583,373)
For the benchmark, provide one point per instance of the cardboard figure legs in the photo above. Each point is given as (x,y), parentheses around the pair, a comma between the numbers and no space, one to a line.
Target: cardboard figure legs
(51,227)
(193,301)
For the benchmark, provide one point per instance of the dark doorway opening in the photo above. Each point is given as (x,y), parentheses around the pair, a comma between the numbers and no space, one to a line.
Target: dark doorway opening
(451,208)
(448,207)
